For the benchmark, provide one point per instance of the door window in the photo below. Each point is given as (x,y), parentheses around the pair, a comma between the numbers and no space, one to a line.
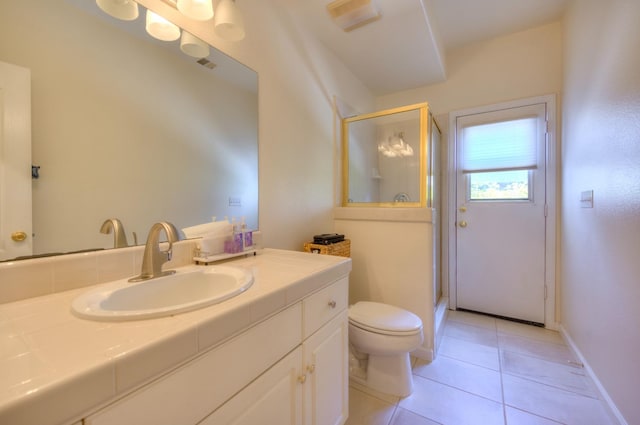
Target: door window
(497,159)
(500,186)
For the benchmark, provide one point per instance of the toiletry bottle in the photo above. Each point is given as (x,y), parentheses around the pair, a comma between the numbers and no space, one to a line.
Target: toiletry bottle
(229,242)
(237,237)
(247,236)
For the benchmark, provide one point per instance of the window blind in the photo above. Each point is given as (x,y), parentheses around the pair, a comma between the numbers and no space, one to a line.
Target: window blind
(506,145)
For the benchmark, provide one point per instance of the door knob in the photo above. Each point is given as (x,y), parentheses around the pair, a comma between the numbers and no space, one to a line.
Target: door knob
(462,209)
(463,224)
(18,236)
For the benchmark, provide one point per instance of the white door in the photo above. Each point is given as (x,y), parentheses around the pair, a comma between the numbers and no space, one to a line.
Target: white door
(15,161)
(500,217)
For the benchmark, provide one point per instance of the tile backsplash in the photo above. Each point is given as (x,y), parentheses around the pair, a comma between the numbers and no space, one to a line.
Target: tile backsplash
(47,275)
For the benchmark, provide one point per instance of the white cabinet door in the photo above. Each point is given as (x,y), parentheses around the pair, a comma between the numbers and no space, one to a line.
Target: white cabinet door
(188,394)
(274,398)
(326,398)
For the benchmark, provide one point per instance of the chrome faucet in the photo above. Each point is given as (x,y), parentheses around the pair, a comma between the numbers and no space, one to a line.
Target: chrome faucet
(153,258)
(119,237)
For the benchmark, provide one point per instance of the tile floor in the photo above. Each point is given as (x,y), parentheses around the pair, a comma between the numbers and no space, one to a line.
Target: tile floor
(490,372)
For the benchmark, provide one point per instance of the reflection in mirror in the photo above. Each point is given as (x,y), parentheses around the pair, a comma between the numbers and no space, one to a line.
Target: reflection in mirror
(385,158)
(123,127)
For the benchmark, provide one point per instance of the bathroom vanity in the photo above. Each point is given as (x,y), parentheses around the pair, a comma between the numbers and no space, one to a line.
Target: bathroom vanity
(275,354)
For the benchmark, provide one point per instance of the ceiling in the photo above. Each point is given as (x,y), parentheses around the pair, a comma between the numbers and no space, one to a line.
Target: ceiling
(407,47)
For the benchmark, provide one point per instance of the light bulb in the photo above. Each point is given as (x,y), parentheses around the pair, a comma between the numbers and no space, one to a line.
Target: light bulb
(199,10)
(228,22)
(126,10)
(158,27)
(193,46)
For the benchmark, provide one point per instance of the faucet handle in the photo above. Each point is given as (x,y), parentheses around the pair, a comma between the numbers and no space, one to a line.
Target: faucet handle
(172,236)
(153,257)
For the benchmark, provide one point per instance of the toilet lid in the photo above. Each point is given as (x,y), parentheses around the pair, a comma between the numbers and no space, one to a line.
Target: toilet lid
(383,318)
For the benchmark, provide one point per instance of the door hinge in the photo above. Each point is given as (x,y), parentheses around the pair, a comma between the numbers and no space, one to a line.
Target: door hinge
(545,292)
(546,210)
(548,127)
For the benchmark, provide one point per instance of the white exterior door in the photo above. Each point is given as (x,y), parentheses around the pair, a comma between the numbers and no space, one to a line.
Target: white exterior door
(500,217)
(15,161)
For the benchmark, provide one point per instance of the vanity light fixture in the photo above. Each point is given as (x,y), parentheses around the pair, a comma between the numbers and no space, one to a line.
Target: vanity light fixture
(395,147)
(126,10)
(228,22)
(199,10)
(158,27)
(193,46)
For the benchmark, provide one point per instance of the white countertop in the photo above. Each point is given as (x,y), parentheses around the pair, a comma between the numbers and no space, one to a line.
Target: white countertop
(55,367)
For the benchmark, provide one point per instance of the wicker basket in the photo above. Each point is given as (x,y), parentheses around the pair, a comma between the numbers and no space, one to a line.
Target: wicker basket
(342,249)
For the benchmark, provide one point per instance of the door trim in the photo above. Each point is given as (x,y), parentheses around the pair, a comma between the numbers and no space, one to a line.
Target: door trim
(15,161)
(550,305)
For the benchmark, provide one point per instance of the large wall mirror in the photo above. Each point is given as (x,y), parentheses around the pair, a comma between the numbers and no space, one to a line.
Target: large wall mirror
(126,127)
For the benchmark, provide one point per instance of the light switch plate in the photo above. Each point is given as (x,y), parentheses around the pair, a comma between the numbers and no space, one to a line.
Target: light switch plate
(586,199)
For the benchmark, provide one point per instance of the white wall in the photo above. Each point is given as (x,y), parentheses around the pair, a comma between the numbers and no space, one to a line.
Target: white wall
(601,152)
(524,64)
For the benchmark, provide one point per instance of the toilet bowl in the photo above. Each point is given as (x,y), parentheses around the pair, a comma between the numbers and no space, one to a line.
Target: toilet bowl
(380,339)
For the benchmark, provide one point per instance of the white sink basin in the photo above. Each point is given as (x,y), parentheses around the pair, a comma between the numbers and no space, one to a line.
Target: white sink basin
(187,289)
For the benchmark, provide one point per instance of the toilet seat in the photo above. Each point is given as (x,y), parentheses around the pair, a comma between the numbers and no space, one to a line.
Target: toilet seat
(384,319)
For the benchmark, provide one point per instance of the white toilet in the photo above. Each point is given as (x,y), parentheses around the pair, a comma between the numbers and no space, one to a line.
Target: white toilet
(380,339)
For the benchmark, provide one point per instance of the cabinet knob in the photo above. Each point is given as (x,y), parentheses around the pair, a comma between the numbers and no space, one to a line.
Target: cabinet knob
(302,379)
(332,304)
(311,368)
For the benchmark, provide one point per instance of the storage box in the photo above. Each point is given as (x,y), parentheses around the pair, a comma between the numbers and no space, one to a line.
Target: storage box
(342,249)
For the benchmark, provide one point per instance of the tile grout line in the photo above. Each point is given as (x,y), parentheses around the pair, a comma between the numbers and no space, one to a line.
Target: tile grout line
(504,404)
(457,389)
(395,410)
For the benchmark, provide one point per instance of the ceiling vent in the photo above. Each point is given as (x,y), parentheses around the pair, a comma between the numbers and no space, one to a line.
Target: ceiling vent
(352,14)
(206,63)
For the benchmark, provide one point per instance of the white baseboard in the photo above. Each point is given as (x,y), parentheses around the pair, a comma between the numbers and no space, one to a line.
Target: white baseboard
(423,353)
(613,409)
(553,326)
(442,311)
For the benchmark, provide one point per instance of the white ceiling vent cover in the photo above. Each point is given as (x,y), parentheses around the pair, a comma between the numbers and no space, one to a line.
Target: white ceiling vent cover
(352,14)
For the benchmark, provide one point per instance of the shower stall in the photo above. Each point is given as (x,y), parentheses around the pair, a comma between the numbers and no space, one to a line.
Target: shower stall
(389,208)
